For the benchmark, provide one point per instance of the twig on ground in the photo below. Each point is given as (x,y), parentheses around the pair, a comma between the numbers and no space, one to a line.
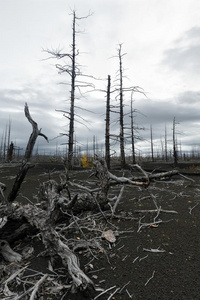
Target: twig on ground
(186,177)
(94,271)
(124,287)
(191,208)
(36,287)
(124,257)
(143,257)
(104,292)
(135,259)
(101,211)
(152,224)
(150,278)
(155,210)
(117,201)
(6,290)
(130,296)
(120,247)
(154,250)
(75,220)
(110,297)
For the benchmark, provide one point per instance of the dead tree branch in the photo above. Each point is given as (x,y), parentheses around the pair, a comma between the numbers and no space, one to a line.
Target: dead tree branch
(29,149)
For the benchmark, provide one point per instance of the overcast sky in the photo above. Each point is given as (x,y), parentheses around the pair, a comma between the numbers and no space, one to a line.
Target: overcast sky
(162,42)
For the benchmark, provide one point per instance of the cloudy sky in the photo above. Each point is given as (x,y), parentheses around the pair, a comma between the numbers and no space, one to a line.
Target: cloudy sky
(161,39)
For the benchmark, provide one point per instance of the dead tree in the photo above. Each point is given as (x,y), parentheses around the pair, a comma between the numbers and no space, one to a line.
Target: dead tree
(120,89)
(29,149)
(10,152)
(175,151)
(5,142)
(132,134)
(152,148)
(121,103)
(166,156)
(8,141)
(107,131)
(73,70)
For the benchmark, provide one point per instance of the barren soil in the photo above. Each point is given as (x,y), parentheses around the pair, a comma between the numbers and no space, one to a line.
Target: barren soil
(160,261)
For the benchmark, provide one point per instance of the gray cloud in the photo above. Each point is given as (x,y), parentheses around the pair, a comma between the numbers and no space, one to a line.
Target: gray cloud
(140,25)
(158,113)
(185,53)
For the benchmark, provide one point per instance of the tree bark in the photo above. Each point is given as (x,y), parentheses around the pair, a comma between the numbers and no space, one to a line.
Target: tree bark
(121,118)
(72,99)
(107,134)
(175,154)
(132,135)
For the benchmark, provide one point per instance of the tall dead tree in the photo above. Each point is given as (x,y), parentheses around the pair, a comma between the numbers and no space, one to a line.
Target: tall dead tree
(73,78)
(175,152)
(121,90)
(5,144)
(107,133)
(132,134)
(166,156)
(73,70)
(121,103)
(152,150)
(8,139)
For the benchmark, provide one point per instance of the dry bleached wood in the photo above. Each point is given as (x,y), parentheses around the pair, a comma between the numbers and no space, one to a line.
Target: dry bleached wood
(29,148)
(7,253)
(41,219)
(37,285)
(153,176)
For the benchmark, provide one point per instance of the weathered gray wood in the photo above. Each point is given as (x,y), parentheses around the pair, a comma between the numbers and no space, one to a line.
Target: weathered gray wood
(7,253)
(41,219)
(29,148)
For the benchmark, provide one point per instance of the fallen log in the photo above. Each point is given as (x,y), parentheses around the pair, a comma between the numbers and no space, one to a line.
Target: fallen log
(42,220)
(153,176)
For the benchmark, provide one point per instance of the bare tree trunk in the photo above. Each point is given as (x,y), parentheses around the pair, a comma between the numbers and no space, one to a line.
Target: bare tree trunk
(107,134)
(72,68)
(121,117)
(8,141)
(152,152)
(175,154)
(132,134)
(10,152)
(166,156)
(73,77)
(4,145)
